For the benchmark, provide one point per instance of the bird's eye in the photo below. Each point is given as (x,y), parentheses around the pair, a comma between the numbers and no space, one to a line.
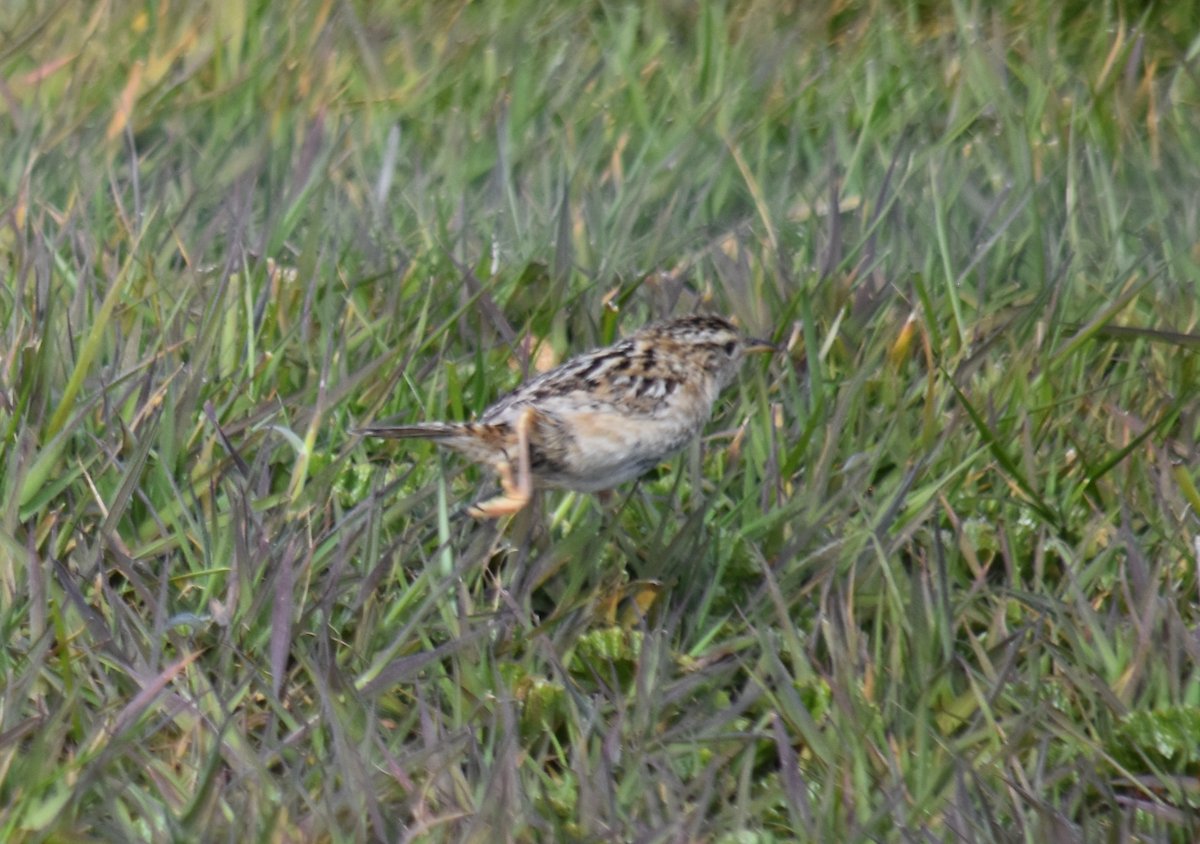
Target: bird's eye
(729,347)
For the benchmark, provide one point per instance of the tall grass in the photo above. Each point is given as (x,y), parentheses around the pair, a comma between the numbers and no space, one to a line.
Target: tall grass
(931,576)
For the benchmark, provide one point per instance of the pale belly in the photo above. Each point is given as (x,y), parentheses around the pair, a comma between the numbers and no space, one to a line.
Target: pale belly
(609,450)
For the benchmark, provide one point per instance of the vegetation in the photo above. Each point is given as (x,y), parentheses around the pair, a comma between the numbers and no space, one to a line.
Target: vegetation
(930,577)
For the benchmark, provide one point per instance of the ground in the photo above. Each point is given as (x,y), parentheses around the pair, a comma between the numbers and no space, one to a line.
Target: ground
(930,575)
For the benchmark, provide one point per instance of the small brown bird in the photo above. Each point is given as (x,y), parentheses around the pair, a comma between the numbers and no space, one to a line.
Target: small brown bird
(600,419)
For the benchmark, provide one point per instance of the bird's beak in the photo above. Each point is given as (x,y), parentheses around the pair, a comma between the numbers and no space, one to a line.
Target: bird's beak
(753,345)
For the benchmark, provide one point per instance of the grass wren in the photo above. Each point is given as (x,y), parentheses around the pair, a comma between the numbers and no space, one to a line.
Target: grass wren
(599,419)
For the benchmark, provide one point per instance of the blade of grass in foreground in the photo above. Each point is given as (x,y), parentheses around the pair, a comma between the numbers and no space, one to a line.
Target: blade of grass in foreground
(1004,459)
(91,346)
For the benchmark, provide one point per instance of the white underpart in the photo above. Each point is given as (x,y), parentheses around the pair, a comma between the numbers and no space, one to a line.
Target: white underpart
(621,449)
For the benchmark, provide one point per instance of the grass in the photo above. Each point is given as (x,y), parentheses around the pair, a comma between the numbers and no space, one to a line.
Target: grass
(930,577)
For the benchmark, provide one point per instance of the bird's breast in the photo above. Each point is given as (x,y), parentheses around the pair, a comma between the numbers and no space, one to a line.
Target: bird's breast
(605,447)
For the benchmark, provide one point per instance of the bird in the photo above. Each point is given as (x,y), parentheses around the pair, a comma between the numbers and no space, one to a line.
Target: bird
(599,419)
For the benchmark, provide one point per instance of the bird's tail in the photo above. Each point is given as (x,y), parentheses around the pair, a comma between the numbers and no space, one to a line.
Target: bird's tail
(420,431)
(477,442)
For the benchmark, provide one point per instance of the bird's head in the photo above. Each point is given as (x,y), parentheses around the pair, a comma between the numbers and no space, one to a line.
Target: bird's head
(713,341)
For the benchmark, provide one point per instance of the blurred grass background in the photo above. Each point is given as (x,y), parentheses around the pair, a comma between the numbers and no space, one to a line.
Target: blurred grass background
(931,576)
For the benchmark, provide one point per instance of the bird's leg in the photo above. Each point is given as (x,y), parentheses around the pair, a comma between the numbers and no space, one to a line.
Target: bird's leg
(516,492)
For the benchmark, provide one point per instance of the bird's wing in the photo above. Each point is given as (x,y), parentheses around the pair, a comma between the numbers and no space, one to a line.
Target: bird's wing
(630,377)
